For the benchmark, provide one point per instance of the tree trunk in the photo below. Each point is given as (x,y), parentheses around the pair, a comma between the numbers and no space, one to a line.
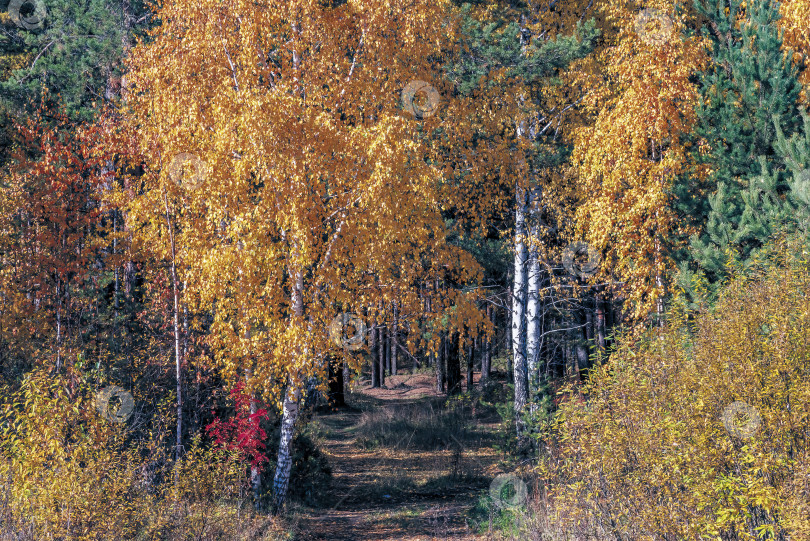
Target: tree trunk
(289,415)
(453,365)
(375,365)
(590,325)
(582,342)
(387,342)
(533,320)
(509,338)
(441,363)
(185,323)
(659,280)
(572,363)
(486,360)
(519,288)
(600,323)
(393,338)
(381,350)
(470,367)
(290,409)
(178,374)
(59,328)
(486,353)
(255,473)
(337,398)
(432,362)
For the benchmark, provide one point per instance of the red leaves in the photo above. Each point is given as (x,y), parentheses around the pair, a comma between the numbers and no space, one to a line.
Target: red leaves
(242,432)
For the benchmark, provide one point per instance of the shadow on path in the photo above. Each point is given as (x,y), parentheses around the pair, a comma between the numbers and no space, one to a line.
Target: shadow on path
(397,493)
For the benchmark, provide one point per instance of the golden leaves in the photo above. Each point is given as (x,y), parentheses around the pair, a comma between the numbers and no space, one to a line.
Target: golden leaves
(661,432)
(311,165)
(634,150)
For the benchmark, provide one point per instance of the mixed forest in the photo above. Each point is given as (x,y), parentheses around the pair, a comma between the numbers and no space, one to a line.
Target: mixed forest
(232,230)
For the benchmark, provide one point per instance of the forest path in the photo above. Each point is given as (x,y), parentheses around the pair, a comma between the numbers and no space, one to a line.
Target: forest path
(415,483)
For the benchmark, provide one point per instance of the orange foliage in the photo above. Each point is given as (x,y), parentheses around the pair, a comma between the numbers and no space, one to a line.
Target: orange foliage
(627,160)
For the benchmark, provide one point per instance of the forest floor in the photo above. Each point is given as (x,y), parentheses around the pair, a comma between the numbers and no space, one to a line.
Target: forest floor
(404,467)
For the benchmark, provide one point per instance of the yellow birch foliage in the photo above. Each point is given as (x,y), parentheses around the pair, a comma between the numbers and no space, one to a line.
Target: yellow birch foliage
(795,14)
(700,430)
(643,106)
(493,161)
(308,193)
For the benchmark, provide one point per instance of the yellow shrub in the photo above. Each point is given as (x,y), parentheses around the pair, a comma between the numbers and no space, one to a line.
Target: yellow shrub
(700,430)
(68,473)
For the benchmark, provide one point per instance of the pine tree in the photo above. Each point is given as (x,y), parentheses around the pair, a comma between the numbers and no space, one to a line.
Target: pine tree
(75,52)
(779,201)
(752,81)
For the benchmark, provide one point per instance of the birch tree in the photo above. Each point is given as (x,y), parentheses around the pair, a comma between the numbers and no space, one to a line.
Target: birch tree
(314,181)
(507,60)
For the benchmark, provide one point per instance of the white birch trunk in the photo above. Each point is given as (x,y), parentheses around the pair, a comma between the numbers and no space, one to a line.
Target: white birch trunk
(177,358)
(290,410)
(519,289)
(281,481)
(533,318)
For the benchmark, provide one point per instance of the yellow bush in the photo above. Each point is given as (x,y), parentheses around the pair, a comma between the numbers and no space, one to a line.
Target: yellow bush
(66,472)
(700,430)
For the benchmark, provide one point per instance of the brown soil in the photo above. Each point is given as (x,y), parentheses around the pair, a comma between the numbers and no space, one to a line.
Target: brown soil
(397,494)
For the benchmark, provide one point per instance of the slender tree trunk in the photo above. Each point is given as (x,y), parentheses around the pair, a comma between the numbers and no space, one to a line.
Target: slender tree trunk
(255,473)
(185,324)
(600,323)
(437,364)
(58,327)
(496,344)
(533,320)
(519,291)
(441,363)
(486,354)
(659,279)
(177,360)
(289,414)
(373,347)
(386,340)
(454,364)
(486,359)
(509,336)
(574,366)
(590,325)
(470,367)
(582,342)
(290,410)
(381,351)
(347,378)
(337,397)
(393,338)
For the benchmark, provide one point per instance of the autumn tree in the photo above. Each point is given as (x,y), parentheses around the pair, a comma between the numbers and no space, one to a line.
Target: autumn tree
(52,242)
(643,99)
(314,197)
(507,57)
(697,430)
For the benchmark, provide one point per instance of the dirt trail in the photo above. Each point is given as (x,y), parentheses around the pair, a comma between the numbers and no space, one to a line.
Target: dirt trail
(397,494)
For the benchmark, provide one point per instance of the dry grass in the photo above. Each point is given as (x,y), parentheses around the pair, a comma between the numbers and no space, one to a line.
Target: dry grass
(402,469)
